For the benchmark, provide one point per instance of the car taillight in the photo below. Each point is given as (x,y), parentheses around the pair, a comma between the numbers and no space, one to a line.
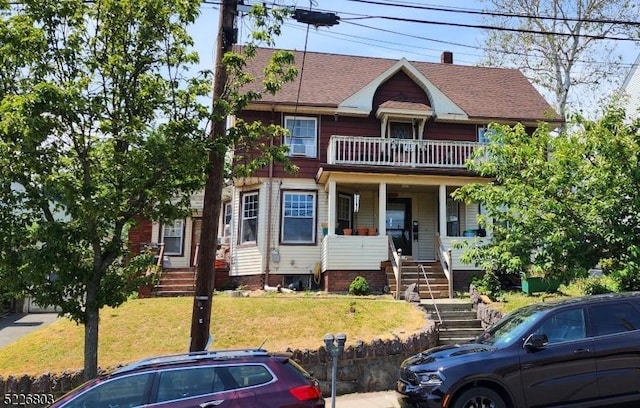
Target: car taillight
(306,392)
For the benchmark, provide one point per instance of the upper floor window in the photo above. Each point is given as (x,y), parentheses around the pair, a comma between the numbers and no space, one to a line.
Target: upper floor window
(302,137)
(298,217)
(401,130)
(173,237)
(249,224)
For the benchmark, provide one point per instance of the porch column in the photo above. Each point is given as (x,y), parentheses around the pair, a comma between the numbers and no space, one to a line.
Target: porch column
(331,208)
(442,209)
(382,210)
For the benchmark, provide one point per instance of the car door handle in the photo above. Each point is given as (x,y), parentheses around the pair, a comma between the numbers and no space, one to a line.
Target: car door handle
(581,351)
(211,403)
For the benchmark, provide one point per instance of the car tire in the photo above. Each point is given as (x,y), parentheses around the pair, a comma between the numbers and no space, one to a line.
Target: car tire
(479,397)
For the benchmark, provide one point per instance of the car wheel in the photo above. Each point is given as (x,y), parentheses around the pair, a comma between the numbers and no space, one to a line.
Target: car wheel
(479,397)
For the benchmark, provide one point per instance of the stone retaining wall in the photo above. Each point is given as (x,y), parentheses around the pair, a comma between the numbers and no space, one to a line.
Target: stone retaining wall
(486,314)
(363,367)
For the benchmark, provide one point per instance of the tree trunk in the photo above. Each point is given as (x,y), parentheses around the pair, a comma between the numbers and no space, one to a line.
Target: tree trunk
(91,335)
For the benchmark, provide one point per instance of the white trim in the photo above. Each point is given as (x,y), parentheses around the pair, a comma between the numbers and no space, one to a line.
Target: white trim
(362,101)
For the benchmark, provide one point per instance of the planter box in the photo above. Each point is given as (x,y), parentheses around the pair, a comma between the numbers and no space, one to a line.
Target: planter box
(532,285)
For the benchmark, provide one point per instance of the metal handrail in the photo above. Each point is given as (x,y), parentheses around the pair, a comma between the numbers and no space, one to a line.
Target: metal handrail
(433,300)
(160,254)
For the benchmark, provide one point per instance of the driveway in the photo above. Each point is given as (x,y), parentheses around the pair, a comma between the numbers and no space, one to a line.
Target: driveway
(15,325)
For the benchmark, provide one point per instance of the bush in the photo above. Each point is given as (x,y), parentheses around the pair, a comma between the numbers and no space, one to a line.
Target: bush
(488,285)
(359,286)
(597,285)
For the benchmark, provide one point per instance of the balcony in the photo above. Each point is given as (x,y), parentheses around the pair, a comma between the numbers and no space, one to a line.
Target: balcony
(376,151)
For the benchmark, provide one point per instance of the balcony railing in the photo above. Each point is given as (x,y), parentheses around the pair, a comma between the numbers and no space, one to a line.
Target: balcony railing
(376,151)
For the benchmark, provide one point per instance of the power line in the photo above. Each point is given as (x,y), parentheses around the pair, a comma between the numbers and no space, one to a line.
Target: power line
(496,14)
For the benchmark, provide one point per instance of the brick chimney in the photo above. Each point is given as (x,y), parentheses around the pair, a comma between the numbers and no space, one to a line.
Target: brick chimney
(447,57)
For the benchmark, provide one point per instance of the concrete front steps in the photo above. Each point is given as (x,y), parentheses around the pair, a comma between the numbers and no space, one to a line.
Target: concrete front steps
(176,282)
(460,323)
(411,273)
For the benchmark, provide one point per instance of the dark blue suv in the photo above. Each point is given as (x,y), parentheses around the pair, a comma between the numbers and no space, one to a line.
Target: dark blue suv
(226,379)
(578,352)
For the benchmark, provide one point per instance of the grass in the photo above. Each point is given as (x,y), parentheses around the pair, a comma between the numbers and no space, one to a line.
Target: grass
(147,327)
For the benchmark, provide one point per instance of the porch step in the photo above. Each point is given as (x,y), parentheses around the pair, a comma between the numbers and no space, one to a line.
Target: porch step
(459,321)
(411,273)
(176,282)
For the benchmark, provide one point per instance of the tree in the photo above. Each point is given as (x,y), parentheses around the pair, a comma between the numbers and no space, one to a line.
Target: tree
(558,204)
(560,46)
(100,122)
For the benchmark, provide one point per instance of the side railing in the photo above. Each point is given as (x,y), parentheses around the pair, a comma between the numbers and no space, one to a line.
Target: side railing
(377,151)
(396,263)
(433,299)
(196,256)
(445,258)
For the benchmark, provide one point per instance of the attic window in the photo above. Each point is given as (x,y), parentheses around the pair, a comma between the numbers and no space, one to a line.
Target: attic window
(401,130)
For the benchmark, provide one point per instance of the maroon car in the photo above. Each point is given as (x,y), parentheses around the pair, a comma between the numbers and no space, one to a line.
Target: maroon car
(225,378)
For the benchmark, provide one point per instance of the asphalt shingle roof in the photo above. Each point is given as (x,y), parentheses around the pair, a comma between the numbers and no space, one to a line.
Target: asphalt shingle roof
(481,92)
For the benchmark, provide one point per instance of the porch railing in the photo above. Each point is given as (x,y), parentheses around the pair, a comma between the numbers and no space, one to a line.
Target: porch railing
(377,151)
(446,260)
(396,263)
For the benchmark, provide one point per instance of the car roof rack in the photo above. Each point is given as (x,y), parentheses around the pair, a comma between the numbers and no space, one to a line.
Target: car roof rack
(192,356)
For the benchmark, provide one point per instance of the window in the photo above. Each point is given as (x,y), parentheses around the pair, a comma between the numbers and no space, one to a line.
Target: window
(344,211)
(226,219)
(250,375)
(249,226)
(172,237)
(400,130)
(126,391)
(614,318)
(298,218)
(302,136)
(564,326)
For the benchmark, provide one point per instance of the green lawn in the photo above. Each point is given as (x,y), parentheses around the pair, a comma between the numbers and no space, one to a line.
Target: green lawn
(146,327)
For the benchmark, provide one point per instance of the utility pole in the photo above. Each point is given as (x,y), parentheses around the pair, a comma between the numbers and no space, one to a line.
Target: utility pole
(202,302)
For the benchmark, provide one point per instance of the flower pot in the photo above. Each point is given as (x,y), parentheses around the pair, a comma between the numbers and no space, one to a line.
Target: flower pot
(363,230)
(373,231)
(325,231)
(347,231)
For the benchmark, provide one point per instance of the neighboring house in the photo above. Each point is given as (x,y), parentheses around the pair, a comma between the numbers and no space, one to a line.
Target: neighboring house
(631,91)
(380,144)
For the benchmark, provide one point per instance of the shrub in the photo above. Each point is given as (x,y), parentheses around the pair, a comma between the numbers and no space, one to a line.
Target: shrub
(488,285)
(359,286)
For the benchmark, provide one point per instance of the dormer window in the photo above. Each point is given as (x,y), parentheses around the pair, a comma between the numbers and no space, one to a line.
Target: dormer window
(302,138)
(403,120)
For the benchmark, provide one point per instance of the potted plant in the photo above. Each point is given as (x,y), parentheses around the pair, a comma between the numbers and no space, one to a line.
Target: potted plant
(362,230)
(325,229)
(347,231)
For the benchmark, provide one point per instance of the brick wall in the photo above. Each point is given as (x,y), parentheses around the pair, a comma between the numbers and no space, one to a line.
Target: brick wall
(140,233)
(339,281)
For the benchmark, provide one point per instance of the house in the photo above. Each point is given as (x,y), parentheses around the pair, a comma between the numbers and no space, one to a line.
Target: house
(631,91)
(381,144)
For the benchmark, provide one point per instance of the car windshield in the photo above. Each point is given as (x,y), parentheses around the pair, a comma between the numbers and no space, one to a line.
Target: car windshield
(511,327)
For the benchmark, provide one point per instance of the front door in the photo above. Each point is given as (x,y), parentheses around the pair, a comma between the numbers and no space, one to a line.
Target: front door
(399,223)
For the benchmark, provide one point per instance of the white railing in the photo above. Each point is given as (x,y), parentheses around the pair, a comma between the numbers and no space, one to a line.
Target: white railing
(399,152)
(446,260)
(396,263)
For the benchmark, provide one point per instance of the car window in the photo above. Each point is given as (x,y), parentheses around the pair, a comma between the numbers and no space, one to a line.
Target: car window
(564,326)
(613,318)
(123,392)
(250,375)
(188,382)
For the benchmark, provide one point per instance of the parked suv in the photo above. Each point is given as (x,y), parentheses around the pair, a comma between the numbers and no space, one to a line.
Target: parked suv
(226,379)
(579,352)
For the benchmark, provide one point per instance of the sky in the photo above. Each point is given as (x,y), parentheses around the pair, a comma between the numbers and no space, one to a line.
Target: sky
(360,33)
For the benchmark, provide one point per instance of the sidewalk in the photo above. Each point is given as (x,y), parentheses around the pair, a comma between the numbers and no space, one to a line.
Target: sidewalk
(15,325)
(381,399)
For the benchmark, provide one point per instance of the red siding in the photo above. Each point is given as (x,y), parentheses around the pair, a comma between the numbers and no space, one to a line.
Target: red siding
(400,88)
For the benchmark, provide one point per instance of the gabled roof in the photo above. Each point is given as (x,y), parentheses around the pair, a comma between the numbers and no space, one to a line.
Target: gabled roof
(347,83)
